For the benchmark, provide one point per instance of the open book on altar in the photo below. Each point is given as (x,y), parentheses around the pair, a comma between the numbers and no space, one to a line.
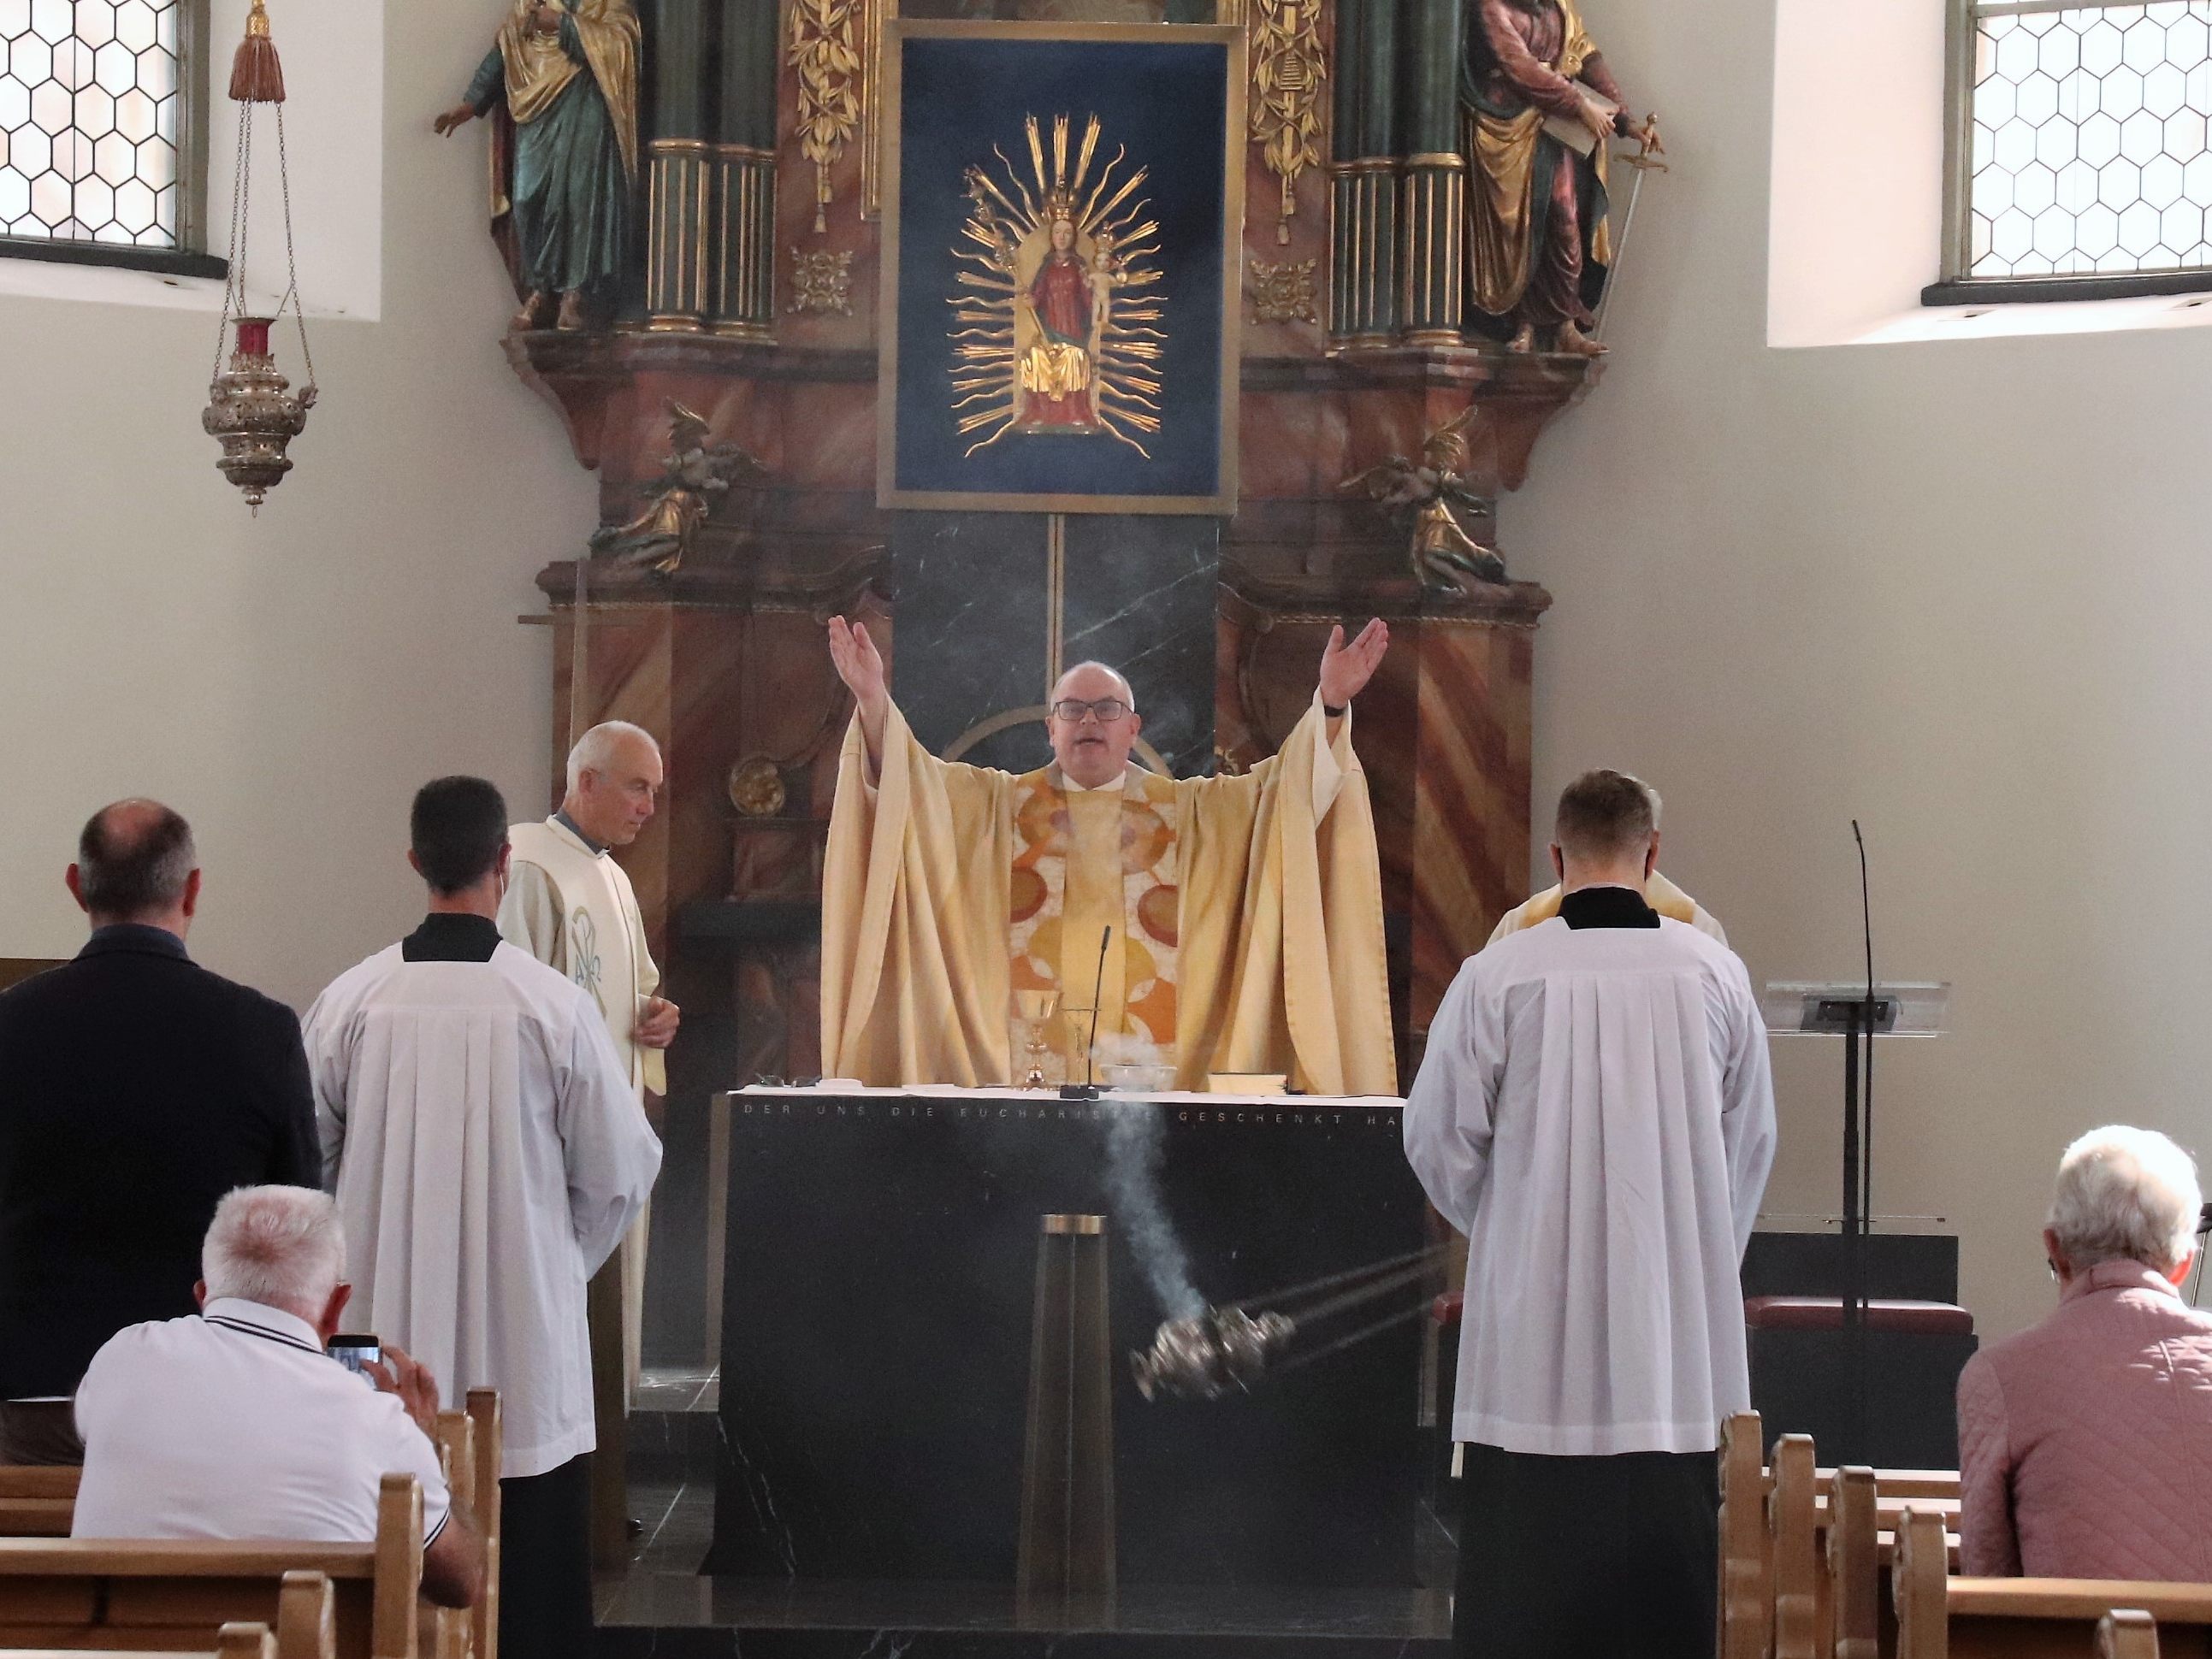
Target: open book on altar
(1574,135)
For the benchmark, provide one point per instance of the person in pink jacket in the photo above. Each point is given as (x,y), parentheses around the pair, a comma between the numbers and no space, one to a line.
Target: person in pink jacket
(2085,1443)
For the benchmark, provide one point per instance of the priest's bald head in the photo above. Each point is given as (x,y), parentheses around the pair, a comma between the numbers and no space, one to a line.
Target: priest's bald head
(1093,724)
(1607,831)
(614,783)
(136,862)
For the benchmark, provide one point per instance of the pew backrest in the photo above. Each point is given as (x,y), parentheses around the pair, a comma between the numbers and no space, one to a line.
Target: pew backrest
(177,1593)
(36,1501)
(484,1413)
(1791,1549)
(1746,1595)
(1853,1565)
(2126,1633)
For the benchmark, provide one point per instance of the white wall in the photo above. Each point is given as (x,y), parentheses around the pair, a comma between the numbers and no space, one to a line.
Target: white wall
(285,682)
(1960,590)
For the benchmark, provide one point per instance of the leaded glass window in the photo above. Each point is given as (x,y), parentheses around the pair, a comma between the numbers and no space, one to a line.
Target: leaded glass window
(96,126)
(2079,146)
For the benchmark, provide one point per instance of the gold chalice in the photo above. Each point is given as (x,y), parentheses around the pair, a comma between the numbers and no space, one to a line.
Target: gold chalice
(1035,1007)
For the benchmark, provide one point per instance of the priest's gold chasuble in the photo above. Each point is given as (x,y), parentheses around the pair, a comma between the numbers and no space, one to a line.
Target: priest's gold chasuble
(1246,927)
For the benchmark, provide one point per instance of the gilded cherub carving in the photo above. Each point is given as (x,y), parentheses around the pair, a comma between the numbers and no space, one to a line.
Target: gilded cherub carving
(1441,553)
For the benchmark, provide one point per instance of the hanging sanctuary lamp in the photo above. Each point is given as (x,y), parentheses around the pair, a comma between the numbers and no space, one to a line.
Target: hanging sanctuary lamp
(251,410)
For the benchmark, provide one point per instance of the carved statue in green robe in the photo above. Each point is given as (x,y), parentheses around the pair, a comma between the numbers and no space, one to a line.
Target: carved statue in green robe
(561,85)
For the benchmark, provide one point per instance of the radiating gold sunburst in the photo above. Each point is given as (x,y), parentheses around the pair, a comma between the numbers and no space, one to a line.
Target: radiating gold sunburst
(1056,319)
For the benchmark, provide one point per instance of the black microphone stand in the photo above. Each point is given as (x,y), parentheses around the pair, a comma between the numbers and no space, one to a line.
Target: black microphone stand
(1088,1090)
(1862,1019)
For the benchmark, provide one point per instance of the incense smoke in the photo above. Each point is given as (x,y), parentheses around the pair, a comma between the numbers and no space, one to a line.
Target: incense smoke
(1136,1145)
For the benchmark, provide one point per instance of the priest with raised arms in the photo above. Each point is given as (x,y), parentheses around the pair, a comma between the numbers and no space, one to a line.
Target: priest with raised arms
(1241,917)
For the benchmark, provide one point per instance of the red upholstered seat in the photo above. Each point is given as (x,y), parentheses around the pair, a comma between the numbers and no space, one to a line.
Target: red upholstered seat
(1825,1313)
(1446,1309)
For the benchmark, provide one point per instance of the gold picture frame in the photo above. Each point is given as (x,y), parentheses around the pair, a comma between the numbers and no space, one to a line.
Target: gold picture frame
(1155,385)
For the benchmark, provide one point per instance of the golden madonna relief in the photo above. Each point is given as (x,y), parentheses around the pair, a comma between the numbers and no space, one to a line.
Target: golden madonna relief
(1054,332)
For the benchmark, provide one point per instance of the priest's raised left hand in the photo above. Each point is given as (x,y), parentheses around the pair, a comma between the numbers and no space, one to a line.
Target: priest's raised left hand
(1345,669)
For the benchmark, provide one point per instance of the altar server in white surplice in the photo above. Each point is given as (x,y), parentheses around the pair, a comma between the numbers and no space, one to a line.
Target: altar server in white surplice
(1594,1112)
(487,1150)
(571,906)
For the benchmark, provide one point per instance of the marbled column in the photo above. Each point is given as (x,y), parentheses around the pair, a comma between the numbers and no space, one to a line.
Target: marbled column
(743,252)
(679,175)
(1432,228)
(1432,224)
(1364,177)
(1469,856)
(678,170)
(1442,733)
(716,683)
(743,297)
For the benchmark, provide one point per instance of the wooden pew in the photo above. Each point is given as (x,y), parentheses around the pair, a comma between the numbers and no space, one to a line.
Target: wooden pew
(484,1411)
(1746,1588)
(1788,1588)
(305,1631)
(38,1501)
(1793,1547)
(2126,1633)
(469,1454)
(175,1594)
(231,1642)
(1941,1617)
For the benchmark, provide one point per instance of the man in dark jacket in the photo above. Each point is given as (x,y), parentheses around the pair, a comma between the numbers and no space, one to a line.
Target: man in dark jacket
(135,1089)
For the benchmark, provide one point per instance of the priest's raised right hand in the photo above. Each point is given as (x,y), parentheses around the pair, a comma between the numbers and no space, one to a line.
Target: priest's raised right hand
(861,665)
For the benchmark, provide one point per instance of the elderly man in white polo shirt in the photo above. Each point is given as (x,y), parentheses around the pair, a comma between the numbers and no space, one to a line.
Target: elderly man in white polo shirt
(236,1424)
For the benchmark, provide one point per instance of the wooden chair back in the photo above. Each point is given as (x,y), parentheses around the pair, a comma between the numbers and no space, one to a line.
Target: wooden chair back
(144,1595)
(1747,1593)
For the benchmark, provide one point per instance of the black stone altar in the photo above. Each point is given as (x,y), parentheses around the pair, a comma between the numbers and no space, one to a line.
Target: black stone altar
(877,1337)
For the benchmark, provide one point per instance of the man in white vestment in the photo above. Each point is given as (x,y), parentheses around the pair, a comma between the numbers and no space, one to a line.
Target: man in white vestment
(571,906)
(1661,894)
(1594,1112)
(487,1150)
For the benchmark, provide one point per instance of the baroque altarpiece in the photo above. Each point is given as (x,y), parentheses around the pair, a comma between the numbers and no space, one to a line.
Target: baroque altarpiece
(723,373)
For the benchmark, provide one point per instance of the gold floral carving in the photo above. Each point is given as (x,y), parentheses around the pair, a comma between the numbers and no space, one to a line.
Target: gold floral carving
(1283,293)
(1288,69)
(824,52)
(821,280)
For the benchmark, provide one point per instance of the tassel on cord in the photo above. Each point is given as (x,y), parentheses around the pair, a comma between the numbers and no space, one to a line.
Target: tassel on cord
(257,77)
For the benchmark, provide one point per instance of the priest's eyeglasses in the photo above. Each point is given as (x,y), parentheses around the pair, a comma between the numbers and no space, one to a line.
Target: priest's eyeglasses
(1108,709)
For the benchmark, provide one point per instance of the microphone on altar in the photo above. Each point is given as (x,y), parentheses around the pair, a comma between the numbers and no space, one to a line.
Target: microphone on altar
(1088,1090)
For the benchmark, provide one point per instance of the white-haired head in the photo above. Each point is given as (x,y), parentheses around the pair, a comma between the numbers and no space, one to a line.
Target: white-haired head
(280,1246)
(2125,1195)
(614,776)
(597,749)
